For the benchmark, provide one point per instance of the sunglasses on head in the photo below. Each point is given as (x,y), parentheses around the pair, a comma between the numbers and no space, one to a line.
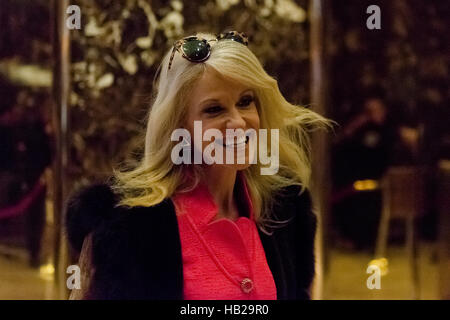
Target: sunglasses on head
(196,49)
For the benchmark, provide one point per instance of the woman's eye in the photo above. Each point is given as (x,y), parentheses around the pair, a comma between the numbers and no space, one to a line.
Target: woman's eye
(246,101)
(213,109)
(243,103)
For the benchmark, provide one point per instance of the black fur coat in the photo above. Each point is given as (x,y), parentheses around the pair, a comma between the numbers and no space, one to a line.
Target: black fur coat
(136,252)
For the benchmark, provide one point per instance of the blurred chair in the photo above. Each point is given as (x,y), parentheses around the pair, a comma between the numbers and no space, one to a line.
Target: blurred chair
(402,190)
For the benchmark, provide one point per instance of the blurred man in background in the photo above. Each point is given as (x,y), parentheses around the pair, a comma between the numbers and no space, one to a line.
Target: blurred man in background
(370,142)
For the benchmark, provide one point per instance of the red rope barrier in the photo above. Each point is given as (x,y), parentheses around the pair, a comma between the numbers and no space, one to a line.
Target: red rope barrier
(24,204)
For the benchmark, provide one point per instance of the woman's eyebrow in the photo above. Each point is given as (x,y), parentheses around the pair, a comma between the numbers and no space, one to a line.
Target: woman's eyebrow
(218,100)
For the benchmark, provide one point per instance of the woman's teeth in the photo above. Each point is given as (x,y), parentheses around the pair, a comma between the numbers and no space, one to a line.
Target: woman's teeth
(230,142)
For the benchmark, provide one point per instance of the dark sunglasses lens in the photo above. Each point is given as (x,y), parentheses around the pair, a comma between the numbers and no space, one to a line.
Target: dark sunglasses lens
(234,37)
(196,50)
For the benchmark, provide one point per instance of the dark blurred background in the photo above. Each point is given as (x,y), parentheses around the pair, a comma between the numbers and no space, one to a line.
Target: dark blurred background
(383,200)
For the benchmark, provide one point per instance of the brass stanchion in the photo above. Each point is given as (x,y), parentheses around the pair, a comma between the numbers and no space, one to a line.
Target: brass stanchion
(320,186)
(61,91)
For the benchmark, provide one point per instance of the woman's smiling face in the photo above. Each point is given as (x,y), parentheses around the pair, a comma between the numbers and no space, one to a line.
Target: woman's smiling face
(222,103)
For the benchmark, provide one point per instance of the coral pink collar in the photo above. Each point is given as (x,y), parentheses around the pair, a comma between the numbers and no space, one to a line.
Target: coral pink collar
(200,204)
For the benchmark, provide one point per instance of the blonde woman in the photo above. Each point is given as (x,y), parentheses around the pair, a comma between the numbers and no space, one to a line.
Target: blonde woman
(184,224)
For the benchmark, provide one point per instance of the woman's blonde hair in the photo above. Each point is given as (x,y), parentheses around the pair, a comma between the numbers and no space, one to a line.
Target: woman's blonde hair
(156,177)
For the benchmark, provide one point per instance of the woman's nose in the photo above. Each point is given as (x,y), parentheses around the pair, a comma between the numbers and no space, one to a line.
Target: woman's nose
(235,120)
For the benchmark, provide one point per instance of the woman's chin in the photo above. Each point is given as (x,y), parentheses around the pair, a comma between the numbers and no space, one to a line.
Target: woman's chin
(241,166)
(236,166)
